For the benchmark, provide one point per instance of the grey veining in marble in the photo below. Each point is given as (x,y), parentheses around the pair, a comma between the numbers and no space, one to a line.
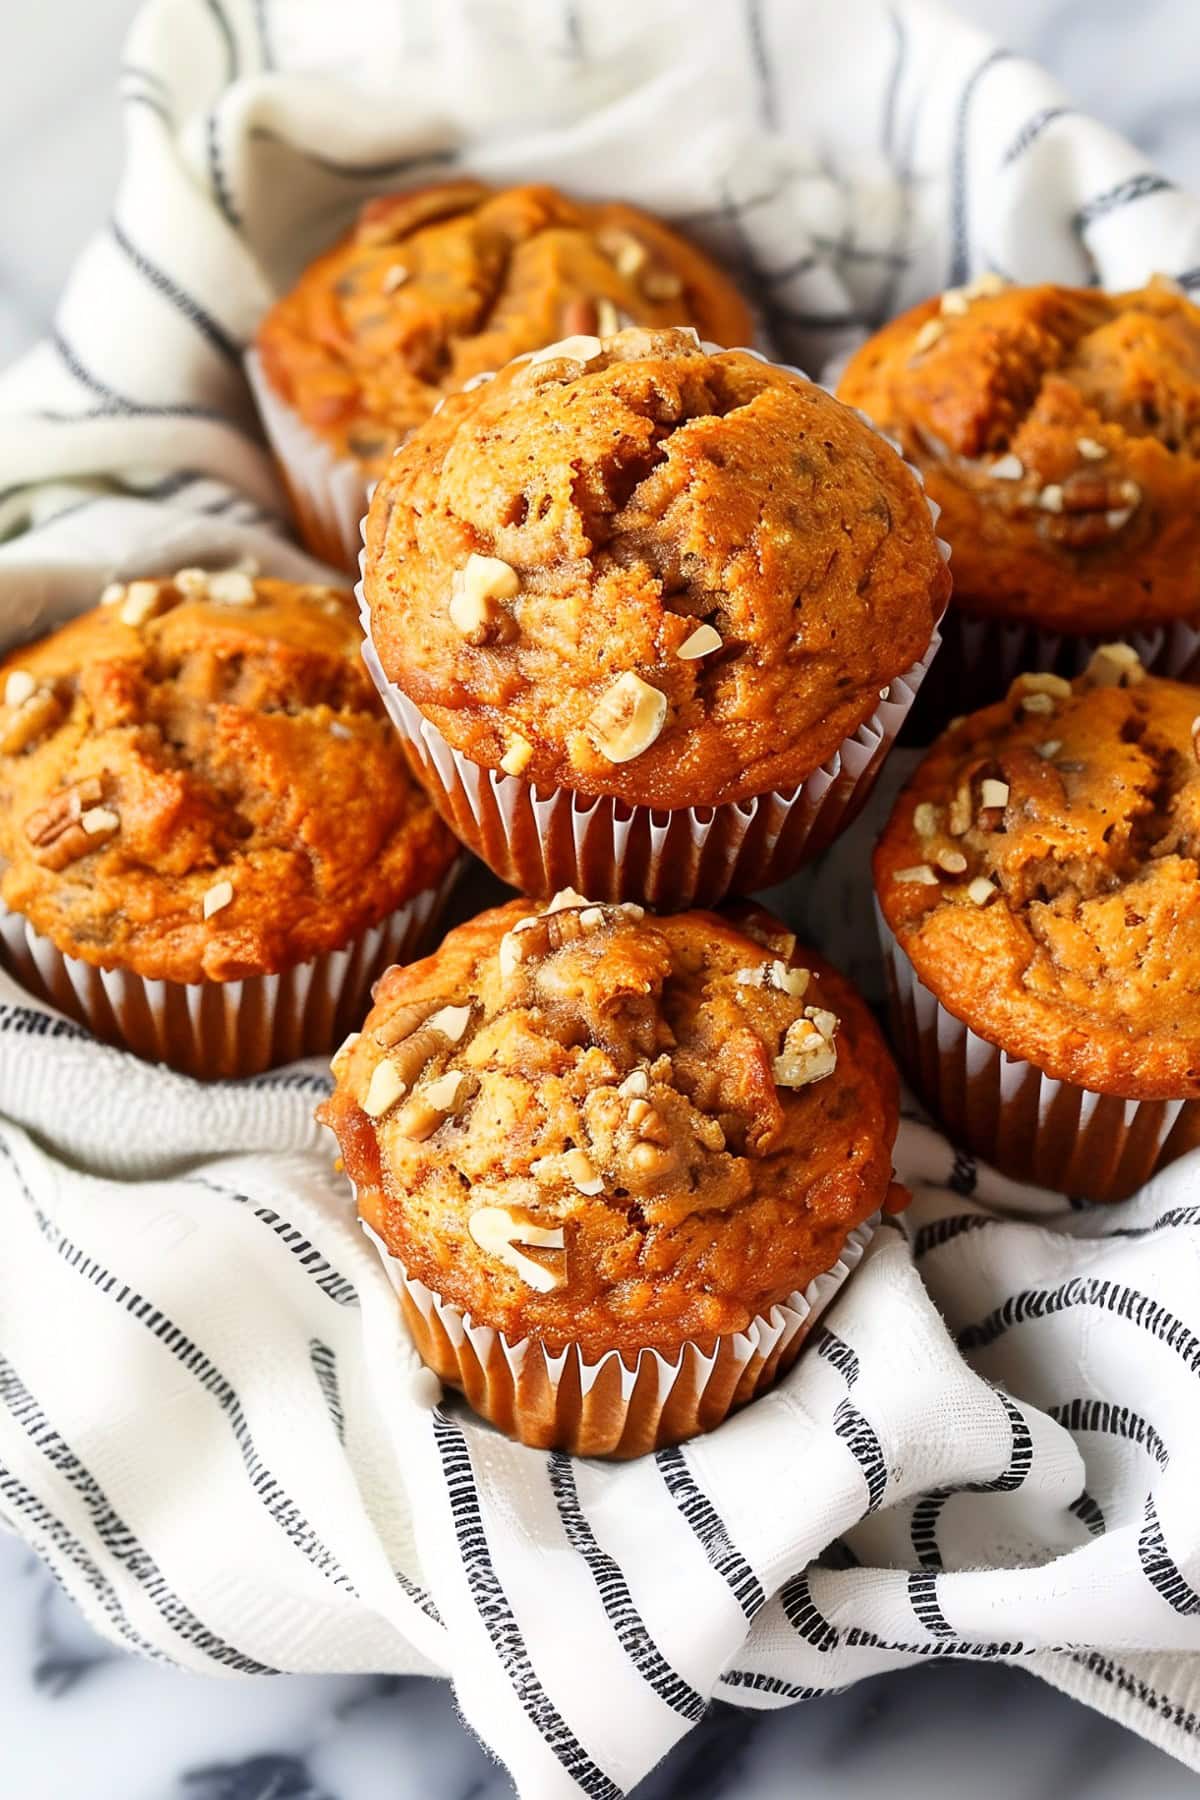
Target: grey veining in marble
(80,1721)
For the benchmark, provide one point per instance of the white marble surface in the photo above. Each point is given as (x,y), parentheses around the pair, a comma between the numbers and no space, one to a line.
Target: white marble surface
(80,1720)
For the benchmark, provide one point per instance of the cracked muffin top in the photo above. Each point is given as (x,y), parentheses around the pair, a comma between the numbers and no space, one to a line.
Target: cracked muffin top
(586,1125)
(440,284)
(636,568)
(1059,430)
(1042,872)
(197,781)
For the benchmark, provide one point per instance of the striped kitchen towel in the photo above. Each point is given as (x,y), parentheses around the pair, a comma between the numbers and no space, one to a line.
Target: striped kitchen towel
(211,1424)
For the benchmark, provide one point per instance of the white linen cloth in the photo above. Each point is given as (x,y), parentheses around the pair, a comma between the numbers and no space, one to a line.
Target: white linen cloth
(211,1424)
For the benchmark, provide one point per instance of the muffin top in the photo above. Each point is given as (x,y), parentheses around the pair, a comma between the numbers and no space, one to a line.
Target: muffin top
(1042,872)
(1059,430)
(586,1124)
(197,781)
(639,568)
(440,284)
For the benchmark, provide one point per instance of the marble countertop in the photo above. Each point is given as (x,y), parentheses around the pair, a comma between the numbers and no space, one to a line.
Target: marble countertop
(80,1719)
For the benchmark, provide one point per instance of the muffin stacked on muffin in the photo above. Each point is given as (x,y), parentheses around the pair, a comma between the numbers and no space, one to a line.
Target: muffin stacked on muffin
(211,844)
(639,1142)
(1059,431)
(435,287)
(638,576)
(1040,884)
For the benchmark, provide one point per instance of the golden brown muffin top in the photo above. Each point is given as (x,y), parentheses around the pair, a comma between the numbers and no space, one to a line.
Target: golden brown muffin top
(584,1124)
(440,284)
(1059,430)
(637,568)
(197,781)
(1042,872)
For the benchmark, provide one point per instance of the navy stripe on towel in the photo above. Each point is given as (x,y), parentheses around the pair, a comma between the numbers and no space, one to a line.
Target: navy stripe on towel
(492,1605)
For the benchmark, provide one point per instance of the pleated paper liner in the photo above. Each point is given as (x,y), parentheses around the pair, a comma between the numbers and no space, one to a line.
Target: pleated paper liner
(541,842)
(980,658)
(622,1404)
(214,1029)
(1005,1110)
(329,494)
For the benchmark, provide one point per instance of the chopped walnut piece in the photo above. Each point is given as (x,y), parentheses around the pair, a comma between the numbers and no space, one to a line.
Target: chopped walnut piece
(1043,682)
(476,590)
(809,1052)
(217,897)
(413,1041)
(55,831)
(231,587)
(580,347)
(702,642)
(627,718)
(498,1234)
(776,975)
(518,756)
(30,720)
(1115,665)
(431,1105)
(384,1089)
(141,601)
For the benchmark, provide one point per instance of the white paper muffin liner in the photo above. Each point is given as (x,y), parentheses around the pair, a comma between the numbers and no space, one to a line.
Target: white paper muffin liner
(622,1404)
(982,657)
(541,842)
(1003,1109)
(217,1029)
(329,494)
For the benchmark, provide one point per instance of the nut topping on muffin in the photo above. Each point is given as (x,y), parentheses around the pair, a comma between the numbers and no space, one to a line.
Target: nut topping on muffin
(716,572)
(498,1234)
(688,1121)
(1057,430)
(176,744)
(1057,908)
(627,718)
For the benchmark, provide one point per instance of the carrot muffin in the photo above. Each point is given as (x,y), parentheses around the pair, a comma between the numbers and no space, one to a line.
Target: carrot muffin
(593,1132)
(635,572)
(198,786)
(441,284)
(1059,430)
(1040,883)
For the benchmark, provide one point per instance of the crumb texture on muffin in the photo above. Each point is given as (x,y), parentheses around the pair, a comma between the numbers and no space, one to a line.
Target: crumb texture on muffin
(1042,873)
(197,781)
(586,1125)
(437,285)
(647,571)
(1059,430)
